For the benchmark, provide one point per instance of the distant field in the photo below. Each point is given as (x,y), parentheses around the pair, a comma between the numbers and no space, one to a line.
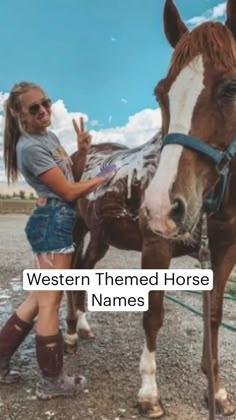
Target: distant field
(10,206)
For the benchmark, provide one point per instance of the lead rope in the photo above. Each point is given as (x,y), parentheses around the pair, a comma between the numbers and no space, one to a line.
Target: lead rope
(205,261)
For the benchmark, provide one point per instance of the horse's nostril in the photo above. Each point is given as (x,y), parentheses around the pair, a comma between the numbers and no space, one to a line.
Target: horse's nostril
(178,211)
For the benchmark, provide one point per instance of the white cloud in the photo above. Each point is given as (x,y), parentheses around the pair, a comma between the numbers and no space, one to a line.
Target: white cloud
(62,124)
(3,97)
(113,39)
(94,123)
(219,10)
(215,13)
(197,20)
(139,129)
(124,101)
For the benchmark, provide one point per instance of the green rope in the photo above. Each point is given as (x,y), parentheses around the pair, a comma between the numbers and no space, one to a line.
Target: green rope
(197,312)
(226,296)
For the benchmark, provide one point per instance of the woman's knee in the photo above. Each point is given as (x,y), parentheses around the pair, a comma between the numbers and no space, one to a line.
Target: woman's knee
(49,299)
(31,300)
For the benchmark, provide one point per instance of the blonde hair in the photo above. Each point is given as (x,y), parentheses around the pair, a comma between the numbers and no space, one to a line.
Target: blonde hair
(13,127)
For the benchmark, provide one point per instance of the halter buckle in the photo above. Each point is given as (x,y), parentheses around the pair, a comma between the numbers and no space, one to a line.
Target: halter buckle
(222,167)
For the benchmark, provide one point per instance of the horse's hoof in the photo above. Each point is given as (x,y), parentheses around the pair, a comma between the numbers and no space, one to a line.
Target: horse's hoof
(149,411)
(70,348)
(70,343)
(86,334)
(223,406)
(226,407)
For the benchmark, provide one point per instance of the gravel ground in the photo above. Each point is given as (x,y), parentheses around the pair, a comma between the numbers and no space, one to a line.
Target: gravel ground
(110,362)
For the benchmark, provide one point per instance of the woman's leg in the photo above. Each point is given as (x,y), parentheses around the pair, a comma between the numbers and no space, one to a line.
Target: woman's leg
(28,310)
(49,341)
(49,301)
(20,322)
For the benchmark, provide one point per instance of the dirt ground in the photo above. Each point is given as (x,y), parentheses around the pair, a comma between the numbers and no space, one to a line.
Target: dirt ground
(110,362)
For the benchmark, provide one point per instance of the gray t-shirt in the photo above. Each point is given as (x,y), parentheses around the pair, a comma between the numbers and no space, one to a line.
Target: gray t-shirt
(37,154)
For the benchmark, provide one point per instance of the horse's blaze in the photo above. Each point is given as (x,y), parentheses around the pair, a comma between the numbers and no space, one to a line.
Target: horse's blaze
(182,102)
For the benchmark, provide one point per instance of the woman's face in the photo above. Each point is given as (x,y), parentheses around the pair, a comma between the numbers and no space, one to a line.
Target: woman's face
(35,114)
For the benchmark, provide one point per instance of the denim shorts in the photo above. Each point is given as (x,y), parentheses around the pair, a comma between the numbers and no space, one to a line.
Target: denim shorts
(50,227)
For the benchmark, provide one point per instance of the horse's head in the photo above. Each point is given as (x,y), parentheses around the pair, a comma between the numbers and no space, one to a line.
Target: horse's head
(198,99)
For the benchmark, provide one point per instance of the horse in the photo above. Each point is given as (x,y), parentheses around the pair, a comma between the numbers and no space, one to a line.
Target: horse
(155,202)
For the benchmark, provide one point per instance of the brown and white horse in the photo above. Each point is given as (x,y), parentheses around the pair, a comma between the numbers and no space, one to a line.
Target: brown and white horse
(154,202)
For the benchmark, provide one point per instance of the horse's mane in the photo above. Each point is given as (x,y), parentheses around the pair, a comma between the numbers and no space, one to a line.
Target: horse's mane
(213,39)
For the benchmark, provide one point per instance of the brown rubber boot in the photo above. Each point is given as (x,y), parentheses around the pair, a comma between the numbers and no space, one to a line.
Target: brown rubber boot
(11,336)
(53,382)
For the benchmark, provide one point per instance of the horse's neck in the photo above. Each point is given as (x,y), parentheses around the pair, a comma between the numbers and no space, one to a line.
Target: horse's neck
(228,209)
(231,192)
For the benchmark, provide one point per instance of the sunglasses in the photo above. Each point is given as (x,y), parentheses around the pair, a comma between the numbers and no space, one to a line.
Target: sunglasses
(35,108)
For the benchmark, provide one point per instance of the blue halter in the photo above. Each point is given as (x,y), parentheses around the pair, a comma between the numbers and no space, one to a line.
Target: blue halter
(222,160)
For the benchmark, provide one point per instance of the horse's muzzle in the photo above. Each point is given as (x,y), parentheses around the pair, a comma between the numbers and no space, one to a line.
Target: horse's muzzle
(168,221)
(178,211)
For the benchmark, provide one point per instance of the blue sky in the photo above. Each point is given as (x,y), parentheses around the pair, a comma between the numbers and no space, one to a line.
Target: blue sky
(101,57)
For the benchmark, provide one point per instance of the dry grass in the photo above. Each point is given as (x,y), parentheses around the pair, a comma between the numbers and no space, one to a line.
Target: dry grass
(11,206)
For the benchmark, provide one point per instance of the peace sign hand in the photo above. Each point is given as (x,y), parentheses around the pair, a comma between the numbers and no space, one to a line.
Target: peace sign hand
(83,137)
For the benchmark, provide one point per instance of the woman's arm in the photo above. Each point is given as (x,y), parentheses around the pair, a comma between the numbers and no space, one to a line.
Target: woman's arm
(83,144)
(57,182)
(79,161)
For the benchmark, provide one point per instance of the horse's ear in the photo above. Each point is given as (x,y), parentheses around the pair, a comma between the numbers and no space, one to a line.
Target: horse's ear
(174,27)
(231,16)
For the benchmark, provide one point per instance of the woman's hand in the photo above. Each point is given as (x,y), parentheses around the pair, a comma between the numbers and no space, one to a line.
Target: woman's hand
(83,137)
(108,171)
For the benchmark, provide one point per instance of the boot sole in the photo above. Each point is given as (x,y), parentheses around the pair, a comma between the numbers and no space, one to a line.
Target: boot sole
(42,396)
(10,380)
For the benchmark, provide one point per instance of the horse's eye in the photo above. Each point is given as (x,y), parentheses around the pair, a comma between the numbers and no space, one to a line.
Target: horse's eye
(228,90)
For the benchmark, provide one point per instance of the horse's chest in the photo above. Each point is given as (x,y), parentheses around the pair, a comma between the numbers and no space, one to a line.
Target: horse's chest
(222,232)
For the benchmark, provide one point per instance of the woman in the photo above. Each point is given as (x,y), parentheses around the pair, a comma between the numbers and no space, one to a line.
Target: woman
(36,152)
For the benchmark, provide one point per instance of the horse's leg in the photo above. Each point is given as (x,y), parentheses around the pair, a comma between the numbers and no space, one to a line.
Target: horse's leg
(148,397)
(71,336)
(222,264)
(82,327)
(95,251)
